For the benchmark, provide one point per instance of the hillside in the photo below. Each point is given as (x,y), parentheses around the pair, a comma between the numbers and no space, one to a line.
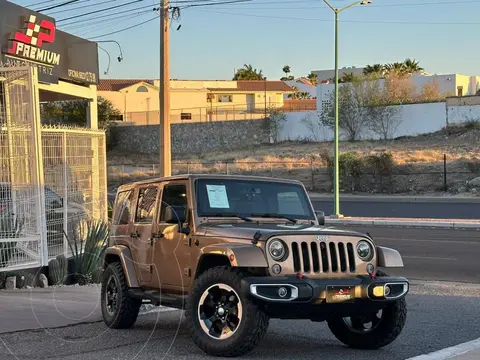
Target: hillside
(416,163)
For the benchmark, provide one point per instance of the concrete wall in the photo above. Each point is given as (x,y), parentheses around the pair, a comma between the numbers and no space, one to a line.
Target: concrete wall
(411,119)
(190,138)
(460,114)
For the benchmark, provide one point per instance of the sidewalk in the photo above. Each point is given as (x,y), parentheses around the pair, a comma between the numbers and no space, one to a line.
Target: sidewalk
(466,351)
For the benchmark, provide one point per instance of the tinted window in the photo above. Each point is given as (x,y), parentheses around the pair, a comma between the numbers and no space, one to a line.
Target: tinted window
(250,197)
(123,208)
(146,205)
(175,196)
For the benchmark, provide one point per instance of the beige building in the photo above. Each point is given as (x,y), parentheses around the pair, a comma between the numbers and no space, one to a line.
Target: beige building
(193,100)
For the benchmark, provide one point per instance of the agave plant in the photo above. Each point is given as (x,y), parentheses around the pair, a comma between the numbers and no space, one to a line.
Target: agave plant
(88,250)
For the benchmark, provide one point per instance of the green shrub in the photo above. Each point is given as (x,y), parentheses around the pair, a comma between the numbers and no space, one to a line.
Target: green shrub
(474,166)
(88,251)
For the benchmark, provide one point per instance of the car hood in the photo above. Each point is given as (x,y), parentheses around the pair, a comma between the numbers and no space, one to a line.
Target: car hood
(264,231)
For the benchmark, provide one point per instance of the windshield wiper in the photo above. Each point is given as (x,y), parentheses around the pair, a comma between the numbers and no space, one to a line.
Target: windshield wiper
(227,214)
(275,216)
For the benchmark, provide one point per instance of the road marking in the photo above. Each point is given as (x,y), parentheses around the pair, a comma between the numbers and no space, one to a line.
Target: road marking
(451,352)
(429,258)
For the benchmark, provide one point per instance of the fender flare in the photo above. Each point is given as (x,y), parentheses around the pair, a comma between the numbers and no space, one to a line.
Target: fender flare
(388,258)
(238,255)
(122,253)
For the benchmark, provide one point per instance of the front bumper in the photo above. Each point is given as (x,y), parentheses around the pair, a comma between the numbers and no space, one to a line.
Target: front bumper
(290,289)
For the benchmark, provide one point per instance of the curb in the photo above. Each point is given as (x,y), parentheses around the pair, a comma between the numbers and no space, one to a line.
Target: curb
(398,199)
(439,224)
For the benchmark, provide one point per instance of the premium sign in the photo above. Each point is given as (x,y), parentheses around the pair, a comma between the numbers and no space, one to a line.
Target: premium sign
(33,38)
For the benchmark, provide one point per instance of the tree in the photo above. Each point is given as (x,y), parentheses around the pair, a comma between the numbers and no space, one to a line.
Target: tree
(74,113)
(400,89)
(431,91)
(286,70)
(375,69)
(348,77)
(274,122)
(412,66)
(362,105)
(313,78)
(296,93)
(397,69)
(248,73)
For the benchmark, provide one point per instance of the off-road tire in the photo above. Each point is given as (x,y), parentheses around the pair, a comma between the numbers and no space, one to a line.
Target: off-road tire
(128,307)
(253,325)
(393,321)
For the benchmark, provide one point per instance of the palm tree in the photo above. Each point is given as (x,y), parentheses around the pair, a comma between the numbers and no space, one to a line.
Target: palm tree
(411,66)
(248,73)
(286,70)
(396,68)
(347,77)
(313,78)
(374,69)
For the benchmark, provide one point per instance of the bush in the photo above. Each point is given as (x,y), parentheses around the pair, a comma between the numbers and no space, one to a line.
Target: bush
(88,251)
(474,166)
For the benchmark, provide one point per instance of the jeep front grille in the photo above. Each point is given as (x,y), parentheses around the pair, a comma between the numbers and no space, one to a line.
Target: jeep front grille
(314,257)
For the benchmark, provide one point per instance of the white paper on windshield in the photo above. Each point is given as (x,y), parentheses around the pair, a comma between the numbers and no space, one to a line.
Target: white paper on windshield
(217,196)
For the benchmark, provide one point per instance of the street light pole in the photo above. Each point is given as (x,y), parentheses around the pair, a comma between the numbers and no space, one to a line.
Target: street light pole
(336,172)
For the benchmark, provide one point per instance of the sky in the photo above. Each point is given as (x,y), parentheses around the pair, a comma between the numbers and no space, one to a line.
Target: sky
(214,40)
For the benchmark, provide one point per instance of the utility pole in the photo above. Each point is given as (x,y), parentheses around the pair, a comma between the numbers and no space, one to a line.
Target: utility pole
(164,93)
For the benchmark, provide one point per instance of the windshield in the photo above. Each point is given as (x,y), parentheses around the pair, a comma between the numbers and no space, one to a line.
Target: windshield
(250,198)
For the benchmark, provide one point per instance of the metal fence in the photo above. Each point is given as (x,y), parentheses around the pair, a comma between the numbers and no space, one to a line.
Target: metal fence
(51,180)
(317,177)
(220,112)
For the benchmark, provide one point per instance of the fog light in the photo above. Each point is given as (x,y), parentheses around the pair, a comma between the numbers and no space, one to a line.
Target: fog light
(370,268)
(276,269)
(378,291)
(282,292)
(387,290)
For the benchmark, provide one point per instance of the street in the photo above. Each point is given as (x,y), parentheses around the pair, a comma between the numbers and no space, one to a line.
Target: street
(431,254)
(375,207)
(438,317)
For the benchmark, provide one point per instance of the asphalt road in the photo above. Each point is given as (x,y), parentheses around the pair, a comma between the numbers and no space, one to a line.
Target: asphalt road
(392,208)
(437,318)
(431,254)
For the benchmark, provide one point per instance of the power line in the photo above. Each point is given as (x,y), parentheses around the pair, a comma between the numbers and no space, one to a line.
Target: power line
(371,5)
(110,23)
(97,11)
(124,29)
(59,5)
(351,21)
(40,3)
(82,7)
(112,19)
(216,3)
(116,13)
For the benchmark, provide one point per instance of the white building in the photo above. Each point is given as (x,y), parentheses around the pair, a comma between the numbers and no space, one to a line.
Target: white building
(303,85)
(326,75)
(449,84)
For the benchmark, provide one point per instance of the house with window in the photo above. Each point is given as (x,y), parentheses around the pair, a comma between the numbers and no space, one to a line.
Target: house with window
(193,100)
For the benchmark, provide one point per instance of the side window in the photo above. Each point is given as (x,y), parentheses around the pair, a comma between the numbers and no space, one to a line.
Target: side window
(174,200)
(146,205)
(123,208)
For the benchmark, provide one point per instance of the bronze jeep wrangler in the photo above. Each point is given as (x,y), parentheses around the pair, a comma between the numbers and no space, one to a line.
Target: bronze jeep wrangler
(235,251)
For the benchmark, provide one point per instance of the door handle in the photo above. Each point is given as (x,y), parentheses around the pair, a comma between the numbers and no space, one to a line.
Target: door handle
(134,235)
(157,235)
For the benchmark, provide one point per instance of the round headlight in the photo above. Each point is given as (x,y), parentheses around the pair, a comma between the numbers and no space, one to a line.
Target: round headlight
(277,249)
(364,251)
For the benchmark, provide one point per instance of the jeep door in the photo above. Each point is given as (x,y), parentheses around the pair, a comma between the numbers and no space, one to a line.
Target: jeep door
(141,235)
(171,249)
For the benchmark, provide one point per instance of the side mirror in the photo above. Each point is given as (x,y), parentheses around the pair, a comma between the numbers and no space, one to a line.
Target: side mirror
(321,217)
